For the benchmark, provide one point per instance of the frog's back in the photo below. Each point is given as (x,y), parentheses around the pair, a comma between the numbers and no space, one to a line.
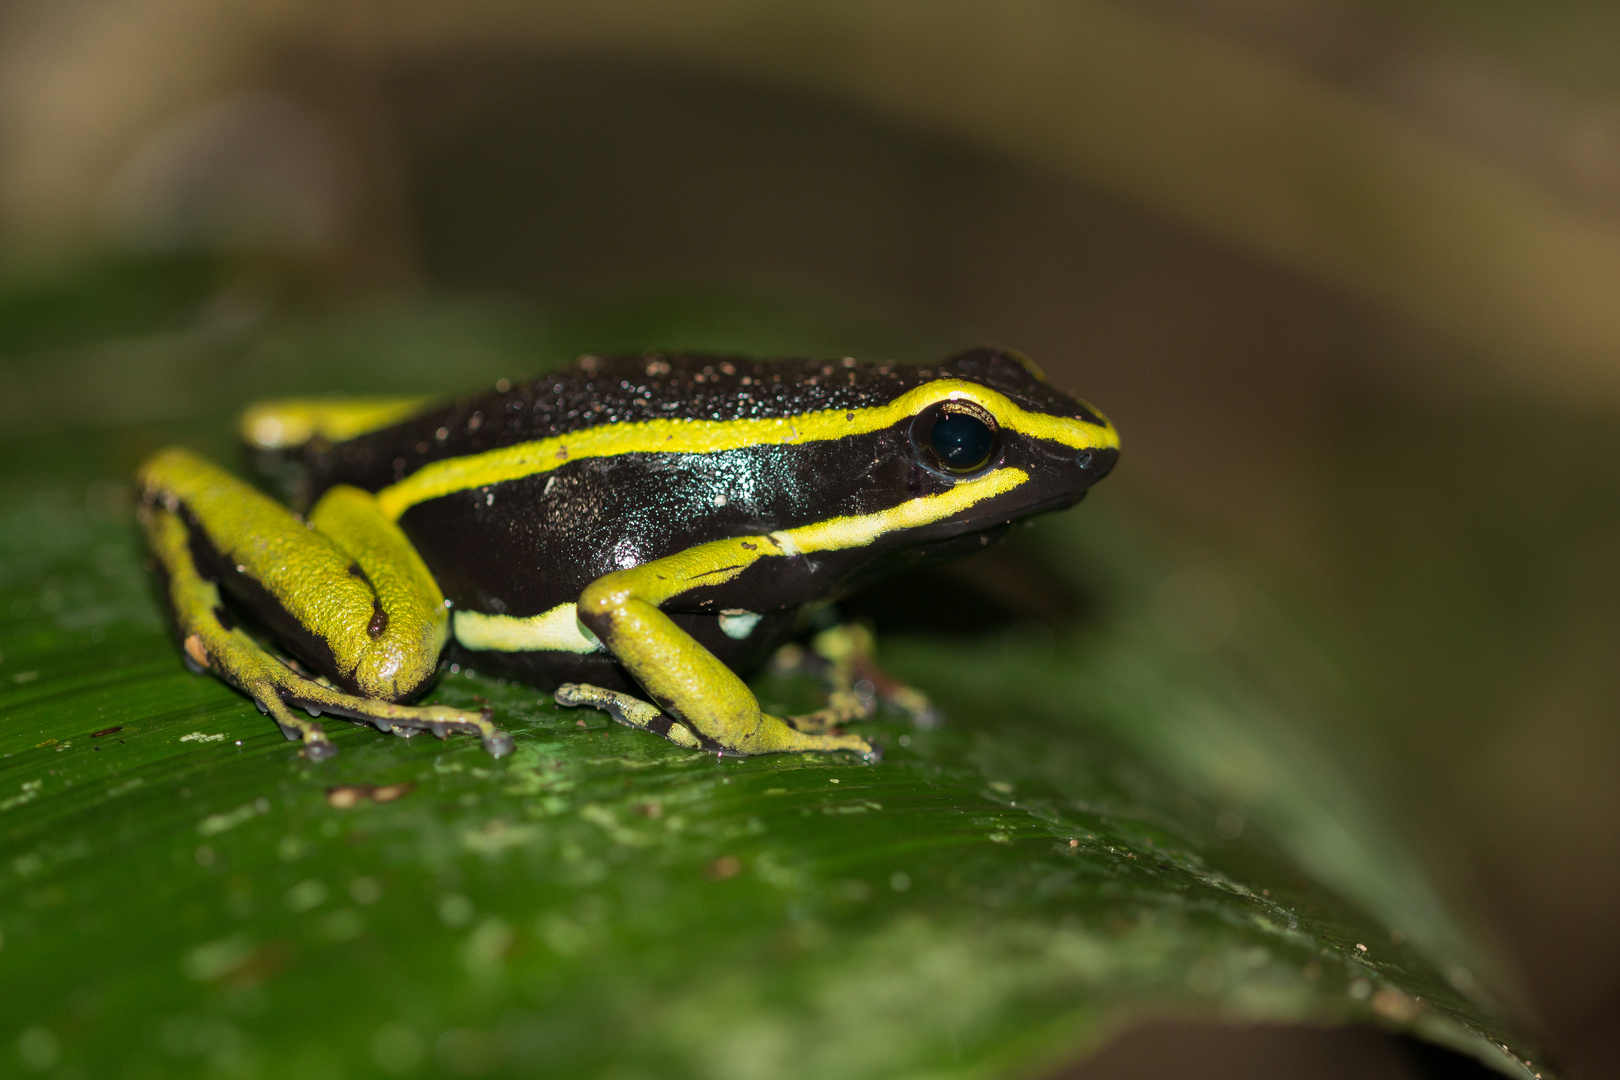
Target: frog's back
(601,390)
(519,497)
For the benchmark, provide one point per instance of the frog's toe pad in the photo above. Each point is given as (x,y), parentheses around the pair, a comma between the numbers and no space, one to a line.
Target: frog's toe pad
(917,707)
(319,750)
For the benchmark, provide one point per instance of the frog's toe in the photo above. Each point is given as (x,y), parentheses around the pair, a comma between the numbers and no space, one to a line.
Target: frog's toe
(917,706)
(404,720)
(317,747)
(843,707)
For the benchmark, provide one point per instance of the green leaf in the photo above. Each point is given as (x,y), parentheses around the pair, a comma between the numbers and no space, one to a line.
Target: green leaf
(1125,819)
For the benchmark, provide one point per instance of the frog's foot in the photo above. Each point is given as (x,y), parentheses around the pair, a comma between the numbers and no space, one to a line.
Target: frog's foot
(771,735)
(391,641)
(279,691)
(402,720)
(627,710)
(843,707)
(844,660)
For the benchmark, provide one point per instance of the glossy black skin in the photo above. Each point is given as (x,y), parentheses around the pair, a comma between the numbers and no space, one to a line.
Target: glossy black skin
(524,546)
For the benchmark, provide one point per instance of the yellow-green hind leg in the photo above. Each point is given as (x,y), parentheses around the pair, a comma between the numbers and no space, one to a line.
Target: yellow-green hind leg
(684,679)
(383,626)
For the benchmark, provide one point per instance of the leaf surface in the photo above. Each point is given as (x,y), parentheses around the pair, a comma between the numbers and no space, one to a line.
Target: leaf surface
(1123,819)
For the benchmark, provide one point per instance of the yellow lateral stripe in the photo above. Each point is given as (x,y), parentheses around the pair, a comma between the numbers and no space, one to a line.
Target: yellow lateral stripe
(557,630)
(839,534)
(271,425)
(687,436)
(719,561)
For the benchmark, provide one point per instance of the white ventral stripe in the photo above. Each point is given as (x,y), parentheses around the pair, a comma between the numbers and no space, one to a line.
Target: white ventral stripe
(557,630)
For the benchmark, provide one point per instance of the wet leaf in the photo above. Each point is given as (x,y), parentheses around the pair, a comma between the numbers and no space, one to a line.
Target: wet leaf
(1121,818)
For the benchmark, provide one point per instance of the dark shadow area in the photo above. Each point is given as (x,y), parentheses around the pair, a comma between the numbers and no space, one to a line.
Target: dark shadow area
(986,594)
(1186,1050)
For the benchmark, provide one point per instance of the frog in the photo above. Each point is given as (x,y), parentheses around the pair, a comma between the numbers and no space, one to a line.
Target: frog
(637,533)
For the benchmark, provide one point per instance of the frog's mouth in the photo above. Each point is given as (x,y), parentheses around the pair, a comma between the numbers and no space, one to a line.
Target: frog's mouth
(1063,479)
(1056,482)
(967,535)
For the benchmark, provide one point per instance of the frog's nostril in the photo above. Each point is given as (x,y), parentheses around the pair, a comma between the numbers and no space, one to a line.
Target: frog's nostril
(1096,462)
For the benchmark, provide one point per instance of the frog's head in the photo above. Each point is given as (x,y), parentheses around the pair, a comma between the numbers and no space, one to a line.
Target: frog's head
(985,441)
(1010,416)
(990,417)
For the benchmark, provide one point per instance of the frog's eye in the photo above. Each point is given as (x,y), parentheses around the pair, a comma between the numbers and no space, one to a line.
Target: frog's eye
(957,437)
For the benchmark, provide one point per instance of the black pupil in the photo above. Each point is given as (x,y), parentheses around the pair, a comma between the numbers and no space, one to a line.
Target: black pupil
(963,442)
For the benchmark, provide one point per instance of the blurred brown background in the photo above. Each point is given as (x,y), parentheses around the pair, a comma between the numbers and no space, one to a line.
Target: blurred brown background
(1345,272)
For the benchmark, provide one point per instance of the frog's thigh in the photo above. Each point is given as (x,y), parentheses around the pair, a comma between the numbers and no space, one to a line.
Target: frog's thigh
(399,644)
(378,615)
(347,584)
(688,681)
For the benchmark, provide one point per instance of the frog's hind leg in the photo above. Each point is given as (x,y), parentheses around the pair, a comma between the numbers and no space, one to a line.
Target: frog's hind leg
(339,586)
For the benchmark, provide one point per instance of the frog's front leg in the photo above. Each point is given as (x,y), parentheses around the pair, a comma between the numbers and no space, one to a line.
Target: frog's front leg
(629,711)
(344,589)
(686,680)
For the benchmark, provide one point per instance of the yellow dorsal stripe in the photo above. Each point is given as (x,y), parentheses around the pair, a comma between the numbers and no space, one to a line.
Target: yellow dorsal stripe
(686,436)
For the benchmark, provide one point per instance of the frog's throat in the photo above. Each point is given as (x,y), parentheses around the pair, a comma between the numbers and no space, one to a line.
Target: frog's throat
(719,561)
(687,436)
